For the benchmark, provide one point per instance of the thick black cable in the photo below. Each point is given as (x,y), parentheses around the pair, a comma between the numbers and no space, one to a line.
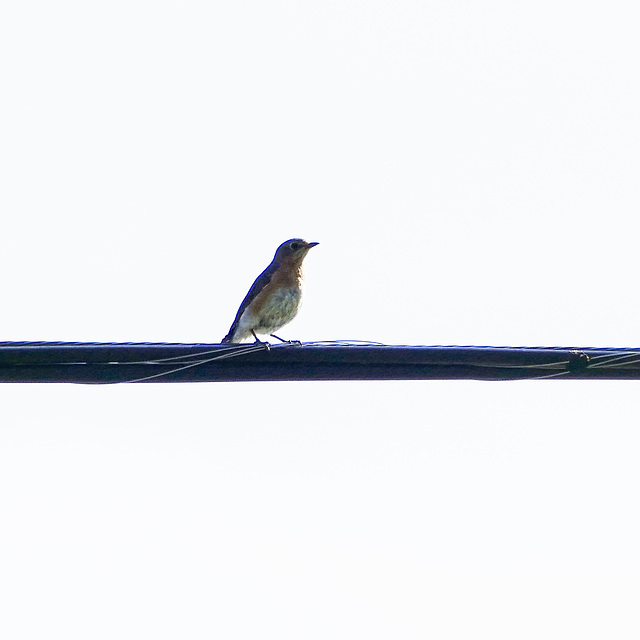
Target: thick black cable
(109,363)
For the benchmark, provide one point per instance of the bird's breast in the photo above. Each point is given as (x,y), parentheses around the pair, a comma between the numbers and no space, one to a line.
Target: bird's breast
(278,308)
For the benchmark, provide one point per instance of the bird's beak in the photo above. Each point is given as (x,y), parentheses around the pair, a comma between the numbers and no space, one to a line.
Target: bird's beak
(312,244)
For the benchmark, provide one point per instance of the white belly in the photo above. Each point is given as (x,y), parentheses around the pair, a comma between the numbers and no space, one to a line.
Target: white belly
(280,309)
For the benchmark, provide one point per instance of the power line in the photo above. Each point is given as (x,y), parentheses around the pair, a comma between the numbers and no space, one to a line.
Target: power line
(111,363)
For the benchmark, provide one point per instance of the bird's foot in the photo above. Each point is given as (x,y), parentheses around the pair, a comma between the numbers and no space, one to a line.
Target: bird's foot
(266,345)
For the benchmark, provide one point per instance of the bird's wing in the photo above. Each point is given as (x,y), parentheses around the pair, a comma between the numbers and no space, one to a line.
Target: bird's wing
(259,284)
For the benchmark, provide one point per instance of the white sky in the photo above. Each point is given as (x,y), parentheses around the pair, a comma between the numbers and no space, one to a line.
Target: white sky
(471,172)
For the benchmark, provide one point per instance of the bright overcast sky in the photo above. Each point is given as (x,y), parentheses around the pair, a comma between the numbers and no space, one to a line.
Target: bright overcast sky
(471,173)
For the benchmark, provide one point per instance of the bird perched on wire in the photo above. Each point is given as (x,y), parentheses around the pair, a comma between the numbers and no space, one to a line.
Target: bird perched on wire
(274,297)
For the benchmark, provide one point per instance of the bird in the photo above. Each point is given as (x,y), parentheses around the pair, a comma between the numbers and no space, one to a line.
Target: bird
(274,298)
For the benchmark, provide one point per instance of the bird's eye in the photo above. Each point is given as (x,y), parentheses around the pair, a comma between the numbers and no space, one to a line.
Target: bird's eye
(295,246)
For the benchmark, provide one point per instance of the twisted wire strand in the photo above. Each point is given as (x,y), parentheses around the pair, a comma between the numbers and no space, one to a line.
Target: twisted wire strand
(233,354)
(610,361)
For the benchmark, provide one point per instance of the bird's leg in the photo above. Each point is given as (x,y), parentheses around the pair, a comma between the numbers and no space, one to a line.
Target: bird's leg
(258,341)
(273,335)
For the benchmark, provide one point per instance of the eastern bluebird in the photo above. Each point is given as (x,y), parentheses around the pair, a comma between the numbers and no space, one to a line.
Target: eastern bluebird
(274,297)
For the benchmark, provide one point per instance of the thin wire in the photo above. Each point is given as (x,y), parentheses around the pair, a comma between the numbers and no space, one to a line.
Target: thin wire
(234,354)
(237,350)
(550,375)
(223,356)
(605,360)
(338,343)
(614,362)
(547,365)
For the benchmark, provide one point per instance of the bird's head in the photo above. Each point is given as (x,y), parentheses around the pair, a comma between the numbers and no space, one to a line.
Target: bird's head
(293,250)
